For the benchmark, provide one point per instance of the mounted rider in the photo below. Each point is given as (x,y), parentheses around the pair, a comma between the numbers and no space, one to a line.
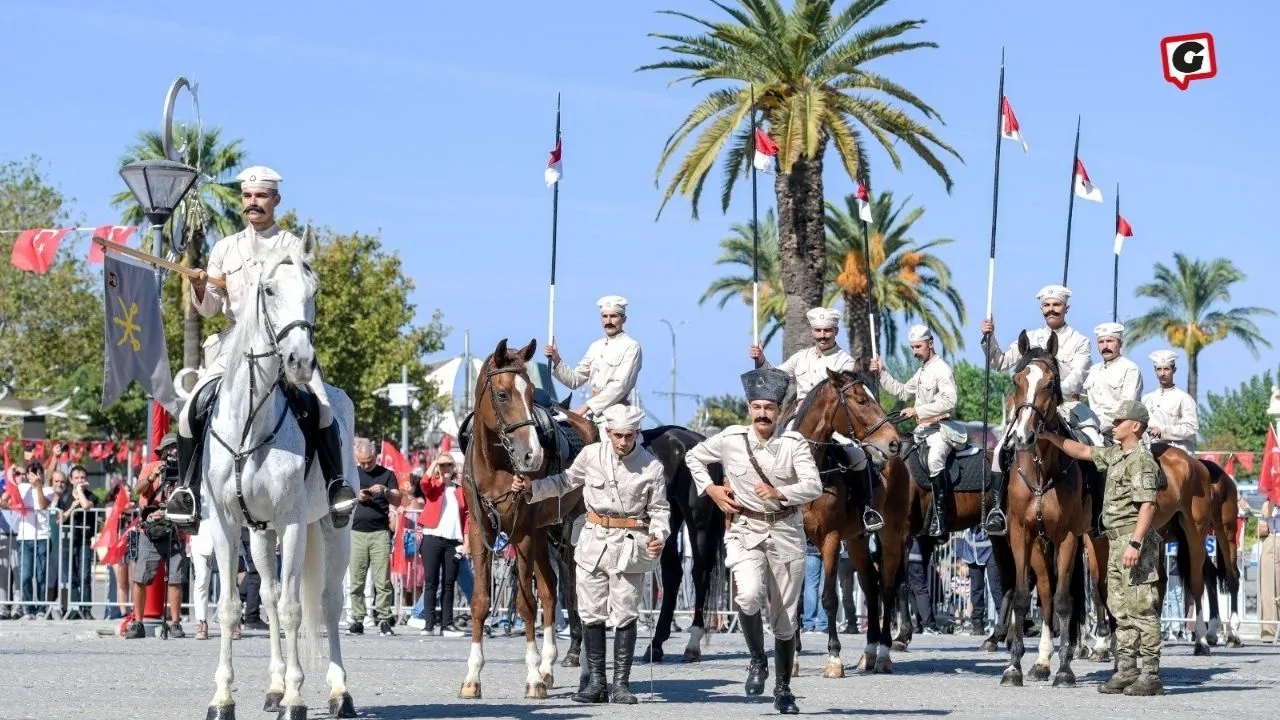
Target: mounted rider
(1173,411)
(1073,358)
(808,367)
(1114,380)
(610,365)
(237,260)
(933,386)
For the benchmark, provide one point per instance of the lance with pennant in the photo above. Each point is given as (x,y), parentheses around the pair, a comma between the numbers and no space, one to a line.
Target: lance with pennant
(755,232)
(552,176)
(1071,202)
(991,272)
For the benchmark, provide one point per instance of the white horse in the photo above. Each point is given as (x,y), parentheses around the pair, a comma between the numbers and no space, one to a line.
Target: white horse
(255,474)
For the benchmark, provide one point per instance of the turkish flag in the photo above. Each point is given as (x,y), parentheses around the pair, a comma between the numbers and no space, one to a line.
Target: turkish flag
(34,250)
(122,452)
(15,497)
(399,562)
(1269,475)
(392,459)
(8,443)
(118,234)
(111,544)
(159,427)
(1246,461)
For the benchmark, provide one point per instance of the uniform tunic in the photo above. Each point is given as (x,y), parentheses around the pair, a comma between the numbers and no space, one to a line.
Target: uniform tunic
(611,366)
(809,367)
(1174,412)
(767,558)
(934,388)
(633,486)
(1132,596)
(1110,384)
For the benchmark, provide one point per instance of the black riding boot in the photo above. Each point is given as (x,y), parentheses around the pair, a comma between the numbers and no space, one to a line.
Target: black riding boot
(342,501)
(784,655)
(872,520)
(597,691)
(753,633)
(995,523)
(938,523)
(183,507)
(624,648)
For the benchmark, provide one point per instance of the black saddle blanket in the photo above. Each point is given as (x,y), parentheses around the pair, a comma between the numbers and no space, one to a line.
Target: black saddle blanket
(967,470)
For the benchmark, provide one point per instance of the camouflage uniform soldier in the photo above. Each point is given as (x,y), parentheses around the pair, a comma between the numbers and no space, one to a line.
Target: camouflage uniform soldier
(1133,478)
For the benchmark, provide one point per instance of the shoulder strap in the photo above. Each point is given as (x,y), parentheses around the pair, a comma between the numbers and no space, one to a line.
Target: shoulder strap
(755,463)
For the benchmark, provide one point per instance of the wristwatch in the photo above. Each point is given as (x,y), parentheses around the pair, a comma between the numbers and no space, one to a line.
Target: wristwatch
(1135,544)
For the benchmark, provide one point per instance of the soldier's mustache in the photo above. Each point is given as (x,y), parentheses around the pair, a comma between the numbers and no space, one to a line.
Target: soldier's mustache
(252,208)
(763,421)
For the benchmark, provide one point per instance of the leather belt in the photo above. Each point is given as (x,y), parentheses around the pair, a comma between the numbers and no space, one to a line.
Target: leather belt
(768,517)
(1120,532)
(626,523)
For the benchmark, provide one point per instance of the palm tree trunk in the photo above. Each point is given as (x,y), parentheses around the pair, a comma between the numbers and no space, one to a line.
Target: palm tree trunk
(802,247)
(192,322)
(855,314)
(1193,374)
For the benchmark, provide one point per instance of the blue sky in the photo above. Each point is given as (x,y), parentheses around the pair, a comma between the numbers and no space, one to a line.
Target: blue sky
(430,123)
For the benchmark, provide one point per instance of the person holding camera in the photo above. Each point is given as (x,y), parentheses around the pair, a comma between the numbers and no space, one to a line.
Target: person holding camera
(79,523)
(157,541)
(444,530)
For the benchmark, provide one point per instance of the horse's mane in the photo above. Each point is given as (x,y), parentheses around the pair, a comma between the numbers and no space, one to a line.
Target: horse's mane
(856,376)
(1037,354)
(248,322)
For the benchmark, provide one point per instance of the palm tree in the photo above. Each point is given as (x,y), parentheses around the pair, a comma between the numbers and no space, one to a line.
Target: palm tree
(1187,315)
(806,71)
(738,249)
(213,207)
(909,282)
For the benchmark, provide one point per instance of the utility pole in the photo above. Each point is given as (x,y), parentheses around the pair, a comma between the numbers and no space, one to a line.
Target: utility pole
(401,395)
(673,393)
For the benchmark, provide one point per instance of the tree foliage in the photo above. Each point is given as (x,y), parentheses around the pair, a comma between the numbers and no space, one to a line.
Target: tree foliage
(1237,419)
(720,412)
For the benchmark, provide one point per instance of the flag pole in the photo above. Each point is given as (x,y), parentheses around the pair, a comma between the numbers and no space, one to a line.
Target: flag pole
(866,266)
(1071,202)
(755,232)
(555,216)
(1115,273)
(991,277)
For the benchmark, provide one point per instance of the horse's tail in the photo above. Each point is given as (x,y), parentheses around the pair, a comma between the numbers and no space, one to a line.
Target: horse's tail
(313,577)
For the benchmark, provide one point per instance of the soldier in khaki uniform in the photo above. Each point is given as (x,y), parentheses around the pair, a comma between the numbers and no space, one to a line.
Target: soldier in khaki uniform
(610,365)
(768,475)
(628,520)
(933,387)
(1133,478)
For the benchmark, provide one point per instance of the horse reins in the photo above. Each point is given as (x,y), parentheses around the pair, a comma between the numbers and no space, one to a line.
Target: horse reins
(490,505)
(1040,488)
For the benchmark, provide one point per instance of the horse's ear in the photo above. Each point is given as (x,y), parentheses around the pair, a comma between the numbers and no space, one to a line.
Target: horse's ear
(500,353)
(835,378)
(1051,347)
(526,352)
(308,245)
(1024,344)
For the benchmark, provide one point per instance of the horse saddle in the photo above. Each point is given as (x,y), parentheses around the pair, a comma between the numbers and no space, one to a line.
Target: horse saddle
(303,403)
(966,469)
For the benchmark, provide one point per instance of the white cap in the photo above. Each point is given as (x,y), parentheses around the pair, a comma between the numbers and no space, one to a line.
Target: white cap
(615,303)
(1109,329)
(259,176)
(919,332)
(623,417)
(1055,292)
(1163,358)
(821,318)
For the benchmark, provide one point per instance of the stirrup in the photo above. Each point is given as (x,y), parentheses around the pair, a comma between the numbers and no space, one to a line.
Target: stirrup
(182,519)
(872,520)
(996,524)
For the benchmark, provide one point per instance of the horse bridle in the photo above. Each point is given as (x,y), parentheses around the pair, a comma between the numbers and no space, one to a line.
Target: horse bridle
(506,429)
(861,438)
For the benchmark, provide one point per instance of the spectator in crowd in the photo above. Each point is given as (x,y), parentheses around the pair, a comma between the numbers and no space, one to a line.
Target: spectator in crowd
(371,539)
(79,523)
(33,538)
(920,599)
(444,525)
(203,564)
(249,585)
(119,589)
(814,617)
(1268,571)
(975,550)
(1173,597)
(158,542)
(846,575)
(8,547)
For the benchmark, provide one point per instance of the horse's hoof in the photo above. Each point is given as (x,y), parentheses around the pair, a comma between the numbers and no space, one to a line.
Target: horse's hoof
(651,655)
(1082,653)
(989,646)
(273,702)
(1212,640)
(884,666)
(1064,678)
(295,712)
(1012,677)
(866,664)
(571,660)
(221,712)
(1202,649)
(549,679)
(535,691)
(342,707)
(692,655)
(834,669)
(1039,673)
(1234,643)
(899,646)
(470,691)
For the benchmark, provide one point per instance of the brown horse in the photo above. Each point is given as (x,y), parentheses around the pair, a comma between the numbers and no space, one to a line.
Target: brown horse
(1048,513)
(1224,499)
(843,403)
(1185,513)
(504,442)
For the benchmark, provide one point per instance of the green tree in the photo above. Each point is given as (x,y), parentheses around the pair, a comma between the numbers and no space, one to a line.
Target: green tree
(720,412)
(738,249)
(911,284)
(210,210)
(807,69)
(1188,312)
(1237,419)
(969,390)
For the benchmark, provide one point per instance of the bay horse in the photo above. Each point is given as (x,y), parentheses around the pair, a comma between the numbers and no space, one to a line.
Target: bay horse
(705,522)
(1224,499)
(504,442)
(1048,514)
(842,402)
(258,474)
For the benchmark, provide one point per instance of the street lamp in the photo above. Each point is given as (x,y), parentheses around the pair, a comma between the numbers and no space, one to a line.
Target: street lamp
(404,396)
(672,328)
(158,185)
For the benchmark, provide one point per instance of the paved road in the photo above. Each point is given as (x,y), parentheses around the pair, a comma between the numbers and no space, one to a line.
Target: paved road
(51,670)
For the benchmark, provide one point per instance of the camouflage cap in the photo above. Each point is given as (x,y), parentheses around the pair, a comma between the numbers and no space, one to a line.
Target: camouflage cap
(1133,410)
